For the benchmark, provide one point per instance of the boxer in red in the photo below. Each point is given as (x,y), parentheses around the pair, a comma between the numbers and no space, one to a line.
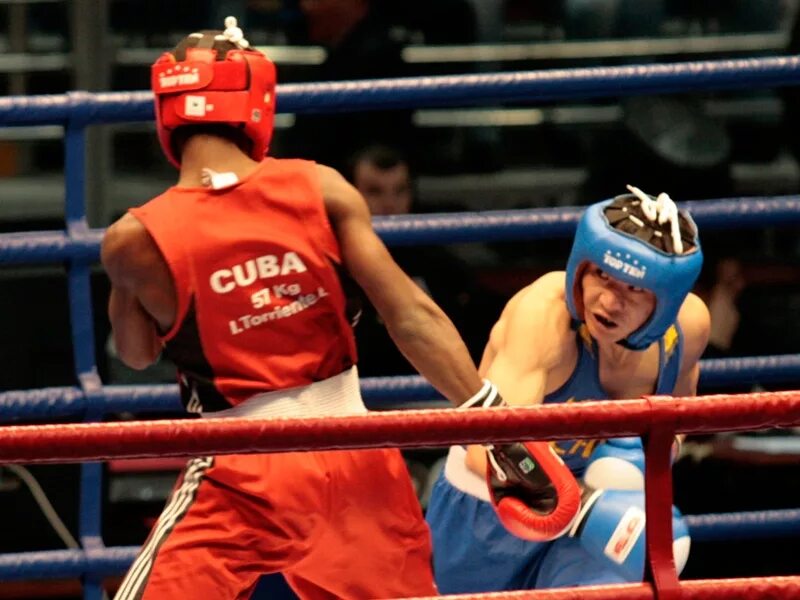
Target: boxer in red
(236,274)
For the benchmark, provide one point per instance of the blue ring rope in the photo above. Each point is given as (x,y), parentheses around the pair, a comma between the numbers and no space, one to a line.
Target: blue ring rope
(54,564)
(378,392)
(448,90)
(444,228)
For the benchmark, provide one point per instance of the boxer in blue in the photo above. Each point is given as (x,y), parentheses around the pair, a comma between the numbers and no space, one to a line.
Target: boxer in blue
(619,323)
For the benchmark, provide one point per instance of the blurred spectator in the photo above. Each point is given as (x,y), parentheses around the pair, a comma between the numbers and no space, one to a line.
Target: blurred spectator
(753,303)
(725,315)
(384,178)
(360,44)
(665,143)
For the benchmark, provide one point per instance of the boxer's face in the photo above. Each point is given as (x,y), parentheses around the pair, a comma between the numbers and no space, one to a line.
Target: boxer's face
(613,309)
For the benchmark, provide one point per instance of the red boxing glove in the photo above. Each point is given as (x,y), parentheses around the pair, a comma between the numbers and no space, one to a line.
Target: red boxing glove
(534,494)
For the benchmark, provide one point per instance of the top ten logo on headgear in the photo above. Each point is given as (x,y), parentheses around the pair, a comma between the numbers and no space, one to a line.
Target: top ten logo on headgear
(616,262)
(183,76)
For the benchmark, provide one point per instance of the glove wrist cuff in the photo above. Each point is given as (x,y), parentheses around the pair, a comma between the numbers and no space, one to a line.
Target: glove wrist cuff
(589,497)
(485,397)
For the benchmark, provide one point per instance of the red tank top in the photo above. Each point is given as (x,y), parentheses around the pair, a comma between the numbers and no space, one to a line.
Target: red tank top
(260,305)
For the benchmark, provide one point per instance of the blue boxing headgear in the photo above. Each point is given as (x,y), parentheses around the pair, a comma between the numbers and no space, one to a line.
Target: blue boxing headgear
(635,261)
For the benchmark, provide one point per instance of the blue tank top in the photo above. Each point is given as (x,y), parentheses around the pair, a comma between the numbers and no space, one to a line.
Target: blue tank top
(584,384)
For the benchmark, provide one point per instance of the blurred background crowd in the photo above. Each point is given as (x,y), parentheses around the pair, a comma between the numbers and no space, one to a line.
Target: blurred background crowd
(693,146)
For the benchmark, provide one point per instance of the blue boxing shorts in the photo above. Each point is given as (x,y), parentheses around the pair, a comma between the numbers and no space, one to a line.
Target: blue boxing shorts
(473,552)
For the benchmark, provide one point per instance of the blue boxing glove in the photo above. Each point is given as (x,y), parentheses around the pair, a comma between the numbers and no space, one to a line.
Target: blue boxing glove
(617,464)
(612,526)
(612,521)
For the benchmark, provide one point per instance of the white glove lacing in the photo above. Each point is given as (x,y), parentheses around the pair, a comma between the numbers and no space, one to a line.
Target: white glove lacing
(233,34)
(661,210)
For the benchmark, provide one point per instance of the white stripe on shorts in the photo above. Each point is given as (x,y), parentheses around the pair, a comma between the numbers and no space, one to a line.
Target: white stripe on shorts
(133,585)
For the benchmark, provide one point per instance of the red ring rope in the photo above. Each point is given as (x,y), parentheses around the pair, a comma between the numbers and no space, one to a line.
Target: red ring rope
(657,418)
(442,427)
(752,588)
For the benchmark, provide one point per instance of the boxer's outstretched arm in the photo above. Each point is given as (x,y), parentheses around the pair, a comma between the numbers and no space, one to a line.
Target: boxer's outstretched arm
(421,330)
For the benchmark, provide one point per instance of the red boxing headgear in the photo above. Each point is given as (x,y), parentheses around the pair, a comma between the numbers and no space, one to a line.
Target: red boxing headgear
(237,89)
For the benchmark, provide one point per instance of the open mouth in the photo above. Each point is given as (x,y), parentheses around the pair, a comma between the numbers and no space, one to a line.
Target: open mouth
(607,323)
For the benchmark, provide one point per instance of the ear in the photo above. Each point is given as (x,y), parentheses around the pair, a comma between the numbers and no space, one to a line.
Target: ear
(577,289)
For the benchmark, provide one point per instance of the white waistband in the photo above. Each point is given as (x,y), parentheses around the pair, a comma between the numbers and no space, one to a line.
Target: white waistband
(462,477)
(335,396)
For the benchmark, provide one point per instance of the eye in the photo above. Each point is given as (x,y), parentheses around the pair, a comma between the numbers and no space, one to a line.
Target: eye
(636,290)
(601,274)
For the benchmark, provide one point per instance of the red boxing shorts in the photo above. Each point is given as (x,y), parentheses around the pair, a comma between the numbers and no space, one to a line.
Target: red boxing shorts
(338,524)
